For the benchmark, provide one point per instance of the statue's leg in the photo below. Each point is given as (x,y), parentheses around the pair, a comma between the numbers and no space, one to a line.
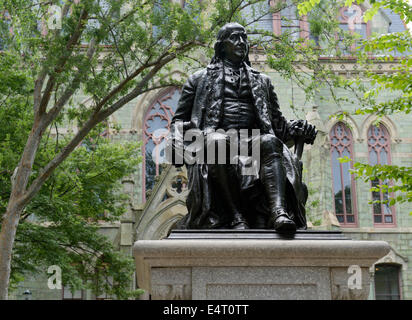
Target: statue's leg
(273,177)
(227,186)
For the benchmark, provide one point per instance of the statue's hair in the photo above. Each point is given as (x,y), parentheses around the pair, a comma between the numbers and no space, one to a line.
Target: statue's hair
(222,35)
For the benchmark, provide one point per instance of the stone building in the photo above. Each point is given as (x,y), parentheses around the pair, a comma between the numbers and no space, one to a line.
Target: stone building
(337,200)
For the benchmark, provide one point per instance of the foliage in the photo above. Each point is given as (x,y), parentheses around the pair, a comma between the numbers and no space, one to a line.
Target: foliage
(398,174)
(61,224)
(83,193)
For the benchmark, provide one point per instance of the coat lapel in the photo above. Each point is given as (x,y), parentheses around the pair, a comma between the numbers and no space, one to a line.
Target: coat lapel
(214,92)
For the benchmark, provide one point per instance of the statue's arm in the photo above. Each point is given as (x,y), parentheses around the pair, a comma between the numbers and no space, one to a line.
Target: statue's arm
(181,121)
(279,123)
(185,104)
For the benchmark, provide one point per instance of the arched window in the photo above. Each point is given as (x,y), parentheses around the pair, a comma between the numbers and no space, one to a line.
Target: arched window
(350,19)
(258,16)
(380,153)
(155,127)
(288,21)
(343,181)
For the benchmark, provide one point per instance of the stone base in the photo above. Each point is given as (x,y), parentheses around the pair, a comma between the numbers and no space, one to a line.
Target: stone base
(256,234)
(255,269)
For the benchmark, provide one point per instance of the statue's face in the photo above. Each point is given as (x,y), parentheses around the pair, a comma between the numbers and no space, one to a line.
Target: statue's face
(235,46)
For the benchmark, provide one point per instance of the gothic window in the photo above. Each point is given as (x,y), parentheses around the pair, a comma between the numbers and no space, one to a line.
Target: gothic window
(288,21)
(155,127)
(343,181)
(350,19)
(380,153)
(258,16)
(387,278)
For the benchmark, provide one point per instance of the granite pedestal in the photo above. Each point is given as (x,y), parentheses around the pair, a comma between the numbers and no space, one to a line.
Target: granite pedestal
(256,265)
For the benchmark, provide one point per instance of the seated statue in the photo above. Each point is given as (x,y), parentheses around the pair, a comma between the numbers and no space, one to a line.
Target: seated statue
(230,96)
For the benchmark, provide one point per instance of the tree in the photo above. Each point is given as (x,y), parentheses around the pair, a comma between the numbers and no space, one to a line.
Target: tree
(60,225)
(114,51)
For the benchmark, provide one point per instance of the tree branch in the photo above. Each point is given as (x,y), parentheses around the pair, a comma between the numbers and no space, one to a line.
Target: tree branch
(62,61)
(96,118)
(71,88)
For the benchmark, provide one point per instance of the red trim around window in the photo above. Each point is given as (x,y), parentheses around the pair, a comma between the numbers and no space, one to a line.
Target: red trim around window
(166,113)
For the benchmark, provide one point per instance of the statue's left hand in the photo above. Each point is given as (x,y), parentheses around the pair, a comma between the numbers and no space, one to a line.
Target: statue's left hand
(303,129)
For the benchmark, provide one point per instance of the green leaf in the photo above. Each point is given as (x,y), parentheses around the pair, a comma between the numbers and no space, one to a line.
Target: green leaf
(344,159)
(348,3)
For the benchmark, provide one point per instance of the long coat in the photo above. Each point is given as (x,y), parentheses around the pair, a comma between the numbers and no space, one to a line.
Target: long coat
(200,107)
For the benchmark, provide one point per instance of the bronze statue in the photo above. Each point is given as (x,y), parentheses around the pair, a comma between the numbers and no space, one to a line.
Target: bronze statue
(230,95)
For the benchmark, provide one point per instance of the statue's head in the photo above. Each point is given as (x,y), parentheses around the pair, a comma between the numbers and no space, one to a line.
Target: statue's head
(232,43)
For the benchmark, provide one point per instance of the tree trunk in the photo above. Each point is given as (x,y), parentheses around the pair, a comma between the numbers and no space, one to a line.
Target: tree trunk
(7,236)
(16,204)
